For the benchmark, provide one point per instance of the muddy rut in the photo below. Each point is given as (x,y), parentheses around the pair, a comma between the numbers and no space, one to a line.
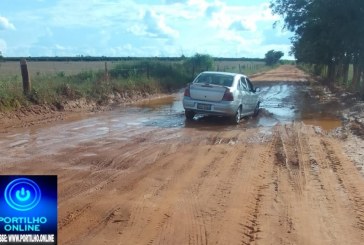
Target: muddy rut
(143,184)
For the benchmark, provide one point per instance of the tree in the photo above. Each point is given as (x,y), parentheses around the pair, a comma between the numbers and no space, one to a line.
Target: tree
(327,33)
(199,63)
(272,57)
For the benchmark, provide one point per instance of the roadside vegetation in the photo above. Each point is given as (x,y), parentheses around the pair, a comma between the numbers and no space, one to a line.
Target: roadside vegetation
(126,78)
(328,38)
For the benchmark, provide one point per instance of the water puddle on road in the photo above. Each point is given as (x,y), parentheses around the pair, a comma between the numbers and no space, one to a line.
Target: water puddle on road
(284,103)
(157,102)
(281,103)
(324,123)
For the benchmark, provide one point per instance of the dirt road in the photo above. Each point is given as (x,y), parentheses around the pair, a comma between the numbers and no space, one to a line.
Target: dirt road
(142,175)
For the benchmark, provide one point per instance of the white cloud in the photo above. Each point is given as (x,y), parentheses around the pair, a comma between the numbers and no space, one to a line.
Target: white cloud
(98,13)
(224,15)
(201,3)
(243,25)
(238,26)
(213,8)
(175,1)
(60,47)
(144,28)
(6,24)
(153,25)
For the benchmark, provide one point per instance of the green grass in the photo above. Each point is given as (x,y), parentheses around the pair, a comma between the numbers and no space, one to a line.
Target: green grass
(55,82)
(11,93)
(245,67)
(125,78)
(322,72)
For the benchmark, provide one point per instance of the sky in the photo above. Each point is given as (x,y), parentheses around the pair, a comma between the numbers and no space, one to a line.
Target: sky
(140,28)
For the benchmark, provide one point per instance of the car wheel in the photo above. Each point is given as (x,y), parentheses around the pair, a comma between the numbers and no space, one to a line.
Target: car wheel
(189,115)
(256,110)
(236,119)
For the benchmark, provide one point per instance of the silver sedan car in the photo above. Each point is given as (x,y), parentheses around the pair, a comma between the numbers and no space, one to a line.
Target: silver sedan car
(222,94)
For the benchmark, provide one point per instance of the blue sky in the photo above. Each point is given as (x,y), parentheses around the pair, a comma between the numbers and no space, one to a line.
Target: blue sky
(231,28)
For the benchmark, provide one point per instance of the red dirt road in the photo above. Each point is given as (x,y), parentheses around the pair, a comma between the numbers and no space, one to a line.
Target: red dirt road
(135,179)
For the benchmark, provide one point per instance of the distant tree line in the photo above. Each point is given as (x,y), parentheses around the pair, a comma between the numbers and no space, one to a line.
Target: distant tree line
(106,58)
(328,34)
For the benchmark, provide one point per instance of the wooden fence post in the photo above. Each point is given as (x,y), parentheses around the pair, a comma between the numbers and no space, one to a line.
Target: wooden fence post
(148,71)
(106,72)
(27,86)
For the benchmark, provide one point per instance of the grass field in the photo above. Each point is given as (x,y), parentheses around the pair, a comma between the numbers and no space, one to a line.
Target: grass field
(12,68)
(56,81)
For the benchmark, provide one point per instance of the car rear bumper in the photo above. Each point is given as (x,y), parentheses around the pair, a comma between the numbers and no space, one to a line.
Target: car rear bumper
(223,108)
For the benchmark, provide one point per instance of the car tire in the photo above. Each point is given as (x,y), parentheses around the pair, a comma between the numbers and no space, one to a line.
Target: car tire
(189,115)
(237,117)
(256,110)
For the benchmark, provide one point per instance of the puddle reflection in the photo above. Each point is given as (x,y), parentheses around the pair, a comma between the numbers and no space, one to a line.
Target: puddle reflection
(281,103)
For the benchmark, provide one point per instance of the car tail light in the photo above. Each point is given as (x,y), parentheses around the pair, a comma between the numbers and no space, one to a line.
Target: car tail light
(187,91)
(228,95)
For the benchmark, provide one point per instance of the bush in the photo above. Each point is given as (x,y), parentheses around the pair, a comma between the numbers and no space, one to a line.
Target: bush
(272,57)
(199,63)
(166,76)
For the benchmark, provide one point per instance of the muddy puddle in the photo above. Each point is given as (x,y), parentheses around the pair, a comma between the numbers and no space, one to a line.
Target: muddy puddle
(324,123)
(281,103)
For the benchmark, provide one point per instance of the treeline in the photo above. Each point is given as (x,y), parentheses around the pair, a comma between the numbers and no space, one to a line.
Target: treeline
(105,58)
(329,35)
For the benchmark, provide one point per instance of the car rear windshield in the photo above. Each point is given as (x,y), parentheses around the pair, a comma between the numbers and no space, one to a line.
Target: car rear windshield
(217,79)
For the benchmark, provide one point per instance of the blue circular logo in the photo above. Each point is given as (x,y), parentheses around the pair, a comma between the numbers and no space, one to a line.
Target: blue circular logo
(22,194)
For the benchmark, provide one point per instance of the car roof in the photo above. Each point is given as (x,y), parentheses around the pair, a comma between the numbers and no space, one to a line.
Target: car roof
(223,73)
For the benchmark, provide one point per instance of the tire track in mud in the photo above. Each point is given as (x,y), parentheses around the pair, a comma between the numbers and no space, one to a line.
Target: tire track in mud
(285,199)
(286,165)
(107,162)
(208,186)
(306,209)
(95,228)
(218,188)
(147,221)
(72,216)
(285,185)
(196,231)
(124,201)
(329,204)
(199,205)
(354,192)
(260,183)
(287,153)
(238,224)
(108,177)
(286,190)
(221,188)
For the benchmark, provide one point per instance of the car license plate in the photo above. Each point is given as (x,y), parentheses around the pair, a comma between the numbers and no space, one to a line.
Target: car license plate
(205,107)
